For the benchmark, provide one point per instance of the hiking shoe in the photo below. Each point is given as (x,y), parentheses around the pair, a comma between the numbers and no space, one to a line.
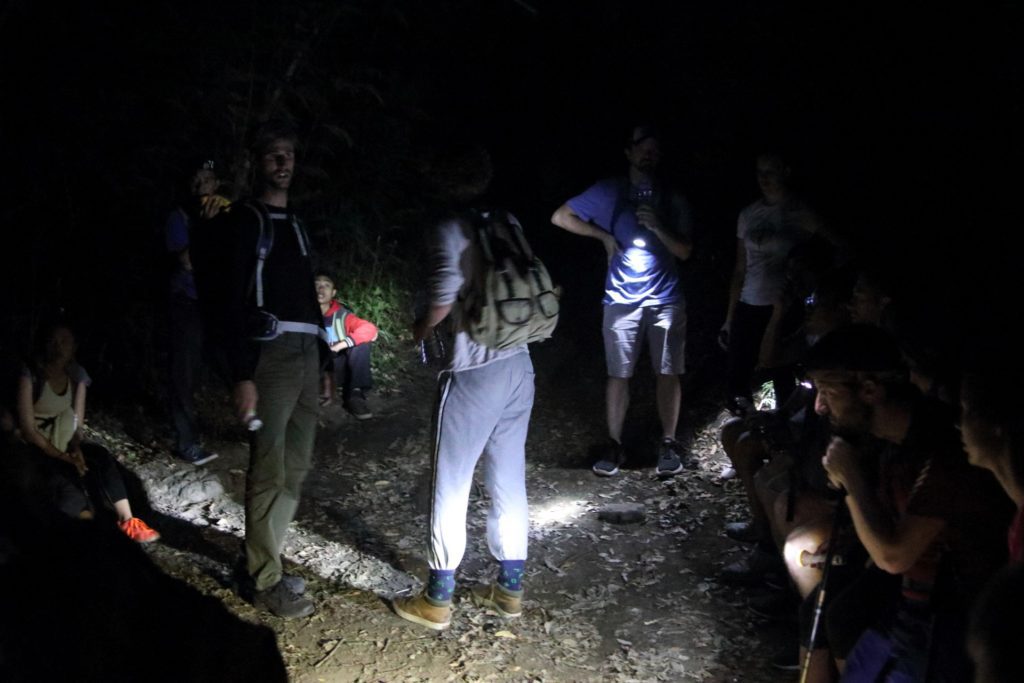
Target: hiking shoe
(282,601)
(196,455)
(753,568)
(744,532)
(357,406)
(779,605)
(137,530)
(669,462)
(508,604)
(296,584)
(608,465)
(421,611)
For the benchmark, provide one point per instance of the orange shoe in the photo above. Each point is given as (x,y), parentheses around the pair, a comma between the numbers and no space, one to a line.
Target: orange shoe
(138,531)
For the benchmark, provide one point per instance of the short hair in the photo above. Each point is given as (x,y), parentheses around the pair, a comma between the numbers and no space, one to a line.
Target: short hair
(462,171)
(858,348)
(323,275)
(641,131)
(269,133)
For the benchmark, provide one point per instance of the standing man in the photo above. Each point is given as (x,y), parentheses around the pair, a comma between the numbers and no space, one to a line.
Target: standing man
(485,397)
(186,330)
(644,228)
(272,333)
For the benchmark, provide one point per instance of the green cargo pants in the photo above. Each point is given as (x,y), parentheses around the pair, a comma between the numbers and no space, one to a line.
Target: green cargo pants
(281,453)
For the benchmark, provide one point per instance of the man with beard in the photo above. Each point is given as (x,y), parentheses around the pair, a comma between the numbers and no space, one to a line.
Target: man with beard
(272,335)
(920,510)
(644,228)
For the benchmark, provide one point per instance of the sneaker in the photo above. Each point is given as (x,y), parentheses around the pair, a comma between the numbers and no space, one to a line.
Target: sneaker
(358,407)
(787,659)
(421,611)
(728,472)
(744,532)
(506,603)
(282,601)
(137,530)
(196,455)
(669,461)
(608,466)
(753,568)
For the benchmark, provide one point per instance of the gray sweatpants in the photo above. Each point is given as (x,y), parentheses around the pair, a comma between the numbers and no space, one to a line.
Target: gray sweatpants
(484,410)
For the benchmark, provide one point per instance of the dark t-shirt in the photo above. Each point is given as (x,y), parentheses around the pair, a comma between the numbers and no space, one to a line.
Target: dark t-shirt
(928,475)
(288,289)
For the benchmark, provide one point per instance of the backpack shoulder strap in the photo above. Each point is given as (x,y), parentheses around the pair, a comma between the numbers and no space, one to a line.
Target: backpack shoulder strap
(264,243)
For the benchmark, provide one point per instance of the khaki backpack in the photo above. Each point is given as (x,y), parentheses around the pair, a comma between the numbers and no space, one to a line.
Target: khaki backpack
(513,301)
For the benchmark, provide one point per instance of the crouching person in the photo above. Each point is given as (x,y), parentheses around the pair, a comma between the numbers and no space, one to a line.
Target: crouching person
(485,397)
(350,339)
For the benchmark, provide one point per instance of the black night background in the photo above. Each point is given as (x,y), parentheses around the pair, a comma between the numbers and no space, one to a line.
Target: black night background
(901,120)
(901,124)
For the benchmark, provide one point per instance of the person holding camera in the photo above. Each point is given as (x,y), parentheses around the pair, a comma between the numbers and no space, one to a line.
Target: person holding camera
(767,231)
(645,228)
(272,331)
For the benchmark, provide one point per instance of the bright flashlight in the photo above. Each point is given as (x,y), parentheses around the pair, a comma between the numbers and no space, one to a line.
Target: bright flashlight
(639,242)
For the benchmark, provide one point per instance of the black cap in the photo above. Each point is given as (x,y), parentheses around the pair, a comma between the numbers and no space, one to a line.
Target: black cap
(856,348)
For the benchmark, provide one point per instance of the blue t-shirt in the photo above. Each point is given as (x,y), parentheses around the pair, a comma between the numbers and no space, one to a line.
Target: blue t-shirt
(176,239)
(644,272)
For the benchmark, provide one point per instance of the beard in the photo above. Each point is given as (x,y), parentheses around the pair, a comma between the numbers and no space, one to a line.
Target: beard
(854,425)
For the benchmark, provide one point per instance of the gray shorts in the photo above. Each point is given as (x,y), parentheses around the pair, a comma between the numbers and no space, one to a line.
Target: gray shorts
(625,327)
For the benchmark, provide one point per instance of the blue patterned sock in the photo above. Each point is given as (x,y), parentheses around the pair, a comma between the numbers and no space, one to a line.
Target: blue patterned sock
(510,576)
(441,585)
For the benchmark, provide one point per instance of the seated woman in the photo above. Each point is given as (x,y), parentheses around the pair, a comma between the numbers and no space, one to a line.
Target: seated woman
(51,412)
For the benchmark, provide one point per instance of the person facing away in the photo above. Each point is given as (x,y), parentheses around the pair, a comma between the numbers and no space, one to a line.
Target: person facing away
(272,329)
(645,229)
(484,405)
(350,339)
(185,327)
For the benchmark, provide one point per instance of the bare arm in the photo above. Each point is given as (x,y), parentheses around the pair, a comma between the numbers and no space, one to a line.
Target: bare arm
(895,545)
(567,220)
(422,327)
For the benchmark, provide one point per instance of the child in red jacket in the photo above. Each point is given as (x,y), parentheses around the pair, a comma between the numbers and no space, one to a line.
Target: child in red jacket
(350,339)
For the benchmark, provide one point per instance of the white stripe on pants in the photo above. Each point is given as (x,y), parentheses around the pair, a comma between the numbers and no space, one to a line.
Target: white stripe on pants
(484,410)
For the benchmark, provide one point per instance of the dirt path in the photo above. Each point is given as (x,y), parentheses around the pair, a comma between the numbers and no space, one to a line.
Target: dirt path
(605,602)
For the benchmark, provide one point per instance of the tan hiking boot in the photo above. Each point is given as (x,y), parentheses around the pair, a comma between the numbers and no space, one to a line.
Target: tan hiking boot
(421,611)
(506,603)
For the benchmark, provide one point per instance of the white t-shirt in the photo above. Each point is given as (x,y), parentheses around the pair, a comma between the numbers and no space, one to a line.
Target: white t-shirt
(769,232)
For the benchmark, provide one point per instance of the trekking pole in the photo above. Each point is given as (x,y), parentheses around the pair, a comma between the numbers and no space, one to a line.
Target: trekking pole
(819,603)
